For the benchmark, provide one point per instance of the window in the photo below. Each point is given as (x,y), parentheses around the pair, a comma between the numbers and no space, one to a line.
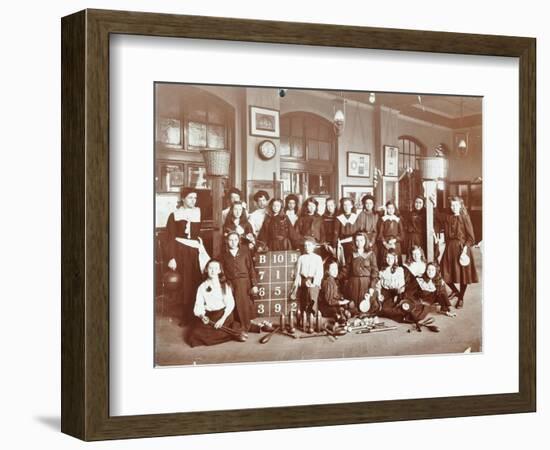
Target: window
(306,136)
(306,184)
(410,149)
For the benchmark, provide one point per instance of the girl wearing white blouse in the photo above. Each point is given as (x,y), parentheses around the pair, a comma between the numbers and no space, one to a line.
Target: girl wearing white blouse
(213,309)
(391,282)
(309,274)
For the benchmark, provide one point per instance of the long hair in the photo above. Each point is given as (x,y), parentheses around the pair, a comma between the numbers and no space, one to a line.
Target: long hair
(437,278)
(224,282)
(270,206)
(395,264)
(410,254)
(463,210)
(391,202)
(344,199)
(296,200)
(304,211)
(326,213)
(361,233)
(243,220)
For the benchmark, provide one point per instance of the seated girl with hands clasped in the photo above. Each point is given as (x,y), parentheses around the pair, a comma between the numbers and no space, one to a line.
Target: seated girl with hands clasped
(213,309)
(332,303)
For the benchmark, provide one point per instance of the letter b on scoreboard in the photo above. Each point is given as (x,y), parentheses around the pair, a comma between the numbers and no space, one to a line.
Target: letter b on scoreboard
(275,278)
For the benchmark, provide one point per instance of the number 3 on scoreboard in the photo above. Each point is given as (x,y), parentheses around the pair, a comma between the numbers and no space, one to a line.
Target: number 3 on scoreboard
(261,308)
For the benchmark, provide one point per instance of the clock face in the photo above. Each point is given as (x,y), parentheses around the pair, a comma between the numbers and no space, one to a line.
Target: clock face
(267,149)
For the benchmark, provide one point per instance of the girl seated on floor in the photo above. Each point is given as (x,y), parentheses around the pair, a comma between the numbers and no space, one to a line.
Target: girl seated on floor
(391,283)
(430,288)
(331,302)
(213,310)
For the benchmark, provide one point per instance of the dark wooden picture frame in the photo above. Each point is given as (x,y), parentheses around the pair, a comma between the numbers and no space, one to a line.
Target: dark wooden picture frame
(348,162)
(85,224)
(258,131)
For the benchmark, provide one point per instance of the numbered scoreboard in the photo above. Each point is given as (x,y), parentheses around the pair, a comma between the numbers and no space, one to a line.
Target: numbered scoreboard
(276,272)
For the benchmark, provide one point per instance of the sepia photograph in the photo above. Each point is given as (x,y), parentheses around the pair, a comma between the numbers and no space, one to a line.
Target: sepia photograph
(303,224)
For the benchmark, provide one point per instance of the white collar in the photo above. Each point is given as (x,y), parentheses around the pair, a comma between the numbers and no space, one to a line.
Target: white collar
(344,220)
(392,217)
(189,214)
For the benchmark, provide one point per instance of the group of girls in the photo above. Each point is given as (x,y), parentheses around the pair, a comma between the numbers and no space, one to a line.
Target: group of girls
(352,261)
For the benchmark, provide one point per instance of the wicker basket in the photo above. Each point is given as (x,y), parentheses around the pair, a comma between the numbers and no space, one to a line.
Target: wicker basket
(217,162)
(433,167)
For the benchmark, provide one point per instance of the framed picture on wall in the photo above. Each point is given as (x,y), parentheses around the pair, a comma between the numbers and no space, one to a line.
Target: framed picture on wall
(274,188)
(356,193)
(264,122)
(391,161)
(358,164)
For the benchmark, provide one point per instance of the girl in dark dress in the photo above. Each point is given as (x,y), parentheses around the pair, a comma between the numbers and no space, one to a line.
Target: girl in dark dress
(361,272)
(459,238)
(214,303)
(329,222)
(277,232)
(415,226)
(430,288)
(344,229)
(182,250)
(310,223)
(239,269)
(292,207)
(237,221)
(390,233)
(368,221)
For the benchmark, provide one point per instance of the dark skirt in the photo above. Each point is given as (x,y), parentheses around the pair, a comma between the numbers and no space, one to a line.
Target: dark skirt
(202,334)
(435,297)
(277,245)
(244,305)
(356,288)
(393,311)
(187,260)
(415,239)
(451,270)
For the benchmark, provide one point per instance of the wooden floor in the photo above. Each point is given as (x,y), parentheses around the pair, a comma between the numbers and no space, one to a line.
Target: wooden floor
(456,336)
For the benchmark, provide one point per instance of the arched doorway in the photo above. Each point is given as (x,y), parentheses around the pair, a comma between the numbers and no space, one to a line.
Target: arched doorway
(308,156)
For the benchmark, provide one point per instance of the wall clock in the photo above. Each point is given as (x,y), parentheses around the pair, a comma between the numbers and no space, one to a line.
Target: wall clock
(267,149)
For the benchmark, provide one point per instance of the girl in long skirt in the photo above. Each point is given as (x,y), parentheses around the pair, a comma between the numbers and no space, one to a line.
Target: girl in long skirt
(182,250)
(361,272)
(368,221)
(390,233)
(277,232)
(213,310)
(344,229)
(457,262)
(329,223)
(239,269)
(236,221)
